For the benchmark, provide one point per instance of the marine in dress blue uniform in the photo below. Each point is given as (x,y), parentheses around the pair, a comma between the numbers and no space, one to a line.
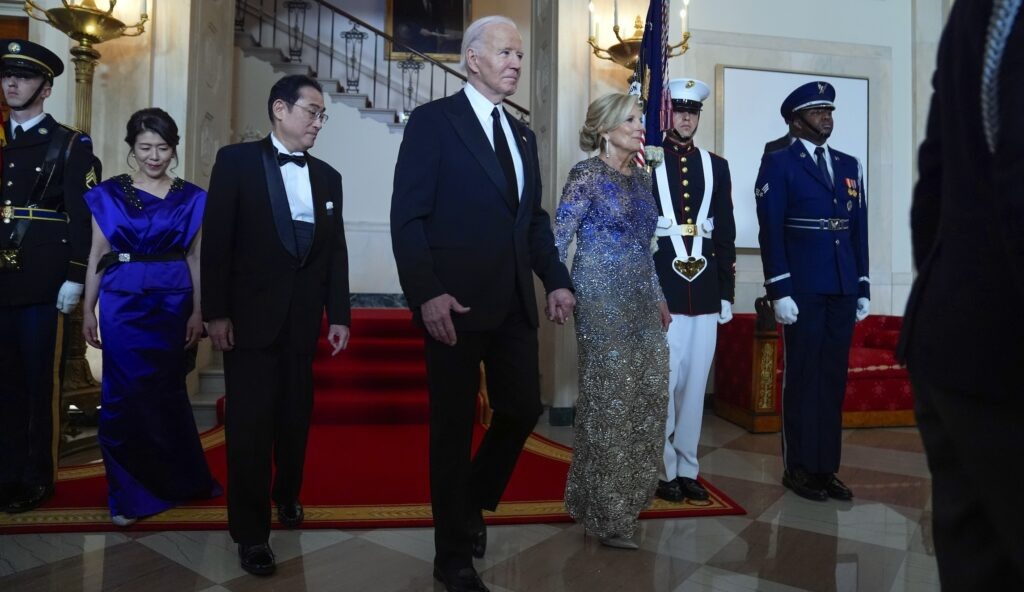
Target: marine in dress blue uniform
(44,247)
(694,195)
(812,212)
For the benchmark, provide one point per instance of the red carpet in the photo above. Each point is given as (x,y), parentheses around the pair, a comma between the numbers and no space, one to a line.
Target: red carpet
(369,433)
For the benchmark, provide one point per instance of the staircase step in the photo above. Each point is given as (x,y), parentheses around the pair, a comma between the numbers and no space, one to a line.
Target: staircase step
(381,115)
(351,99)
(293,68)
(396,128)
(245,40)
(330,85)
(267,54)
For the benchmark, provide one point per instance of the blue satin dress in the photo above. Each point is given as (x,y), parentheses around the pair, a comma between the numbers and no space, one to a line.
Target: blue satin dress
(147,434)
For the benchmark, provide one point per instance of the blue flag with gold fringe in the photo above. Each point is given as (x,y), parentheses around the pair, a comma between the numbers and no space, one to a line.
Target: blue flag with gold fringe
(649,80)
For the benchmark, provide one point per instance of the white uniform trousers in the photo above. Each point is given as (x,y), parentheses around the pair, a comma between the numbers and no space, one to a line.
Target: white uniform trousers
(691,349)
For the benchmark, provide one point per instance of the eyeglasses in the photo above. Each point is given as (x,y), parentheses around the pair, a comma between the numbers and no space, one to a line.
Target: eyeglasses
(313,113)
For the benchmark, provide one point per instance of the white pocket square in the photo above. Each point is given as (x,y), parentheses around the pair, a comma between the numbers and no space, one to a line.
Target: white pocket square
(330,206)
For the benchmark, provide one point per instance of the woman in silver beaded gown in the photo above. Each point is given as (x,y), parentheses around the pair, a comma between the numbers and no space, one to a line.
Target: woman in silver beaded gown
(621,316)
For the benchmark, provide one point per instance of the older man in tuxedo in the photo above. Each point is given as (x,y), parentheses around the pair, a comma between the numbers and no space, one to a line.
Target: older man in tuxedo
(274,258)
(468,232)
(963,325)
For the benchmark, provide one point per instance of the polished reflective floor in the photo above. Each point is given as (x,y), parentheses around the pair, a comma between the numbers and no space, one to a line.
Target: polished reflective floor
(879,542)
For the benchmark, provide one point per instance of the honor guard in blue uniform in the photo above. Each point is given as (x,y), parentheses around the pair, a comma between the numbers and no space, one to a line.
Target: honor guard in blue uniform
(696,266)
(44,246)
(813,217)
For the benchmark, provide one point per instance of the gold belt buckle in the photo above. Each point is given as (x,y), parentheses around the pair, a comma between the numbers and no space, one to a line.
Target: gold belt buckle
(688,229)
(7,213)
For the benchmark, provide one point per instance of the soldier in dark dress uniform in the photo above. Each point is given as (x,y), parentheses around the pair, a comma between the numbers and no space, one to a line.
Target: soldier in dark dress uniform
(696,265)
(812,213)
(44,247)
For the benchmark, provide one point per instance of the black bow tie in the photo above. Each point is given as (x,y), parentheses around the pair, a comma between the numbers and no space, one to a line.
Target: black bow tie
(283,159)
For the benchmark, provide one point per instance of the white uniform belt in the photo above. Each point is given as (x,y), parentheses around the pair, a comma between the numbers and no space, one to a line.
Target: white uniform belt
(683,230)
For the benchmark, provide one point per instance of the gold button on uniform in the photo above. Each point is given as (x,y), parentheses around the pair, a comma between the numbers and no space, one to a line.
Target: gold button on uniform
(9,183)
(689,220)
(686,169)
(686,182)
(683,159)
(686,195)
(837,241)
(686,209)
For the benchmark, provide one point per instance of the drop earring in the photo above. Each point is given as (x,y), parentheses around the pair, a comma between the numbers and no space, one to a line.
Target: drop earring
(607,149)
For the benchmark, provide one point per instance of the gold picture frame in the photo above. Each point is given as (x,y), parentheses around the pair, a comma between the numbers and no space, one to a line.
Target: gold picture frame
(431,27)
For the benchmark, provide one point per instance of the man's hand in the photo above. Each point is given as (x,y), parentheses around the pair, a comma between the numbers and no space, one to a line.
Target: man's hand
(560,305)
(863,309)
(666,316)
(222,334)
(337,336)
(785,310)
(437,317)
(725,315)
(68,297)
(193,329)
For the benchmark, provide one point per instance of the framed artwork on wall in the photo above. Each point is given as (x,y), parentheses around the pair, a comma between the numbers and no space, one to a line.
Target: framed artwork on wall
(750,119)
(431,27)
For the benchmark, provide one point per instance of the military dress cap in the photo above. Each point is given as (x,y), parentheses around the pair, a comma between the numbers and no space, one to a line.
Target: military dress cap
(687,94)
(813,95)
(19,54)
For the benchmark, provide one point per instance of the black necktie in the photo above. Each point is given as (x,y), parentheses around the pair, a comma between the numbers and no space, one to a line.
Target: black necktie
(505,158)
(18,130)
(819,156)
(283,159)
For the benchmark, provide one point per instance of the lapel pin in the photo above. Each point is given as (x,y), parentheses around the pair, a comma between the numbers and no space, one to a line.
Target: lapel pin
(329,205)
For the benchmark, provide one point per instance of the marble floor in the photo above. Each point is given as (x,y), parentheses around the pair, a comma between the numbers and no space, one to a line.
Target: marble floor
(879,542)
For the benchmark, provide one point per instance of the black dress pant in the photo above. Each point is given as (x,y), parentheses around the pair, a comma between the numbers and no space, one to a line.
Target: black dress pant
(461,484)
(267,412)
(974,444)
(30,353)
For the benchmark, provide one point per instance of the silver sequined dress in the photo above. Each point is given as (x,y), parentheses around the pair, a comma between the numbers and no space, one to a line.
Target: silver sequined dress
(623,354)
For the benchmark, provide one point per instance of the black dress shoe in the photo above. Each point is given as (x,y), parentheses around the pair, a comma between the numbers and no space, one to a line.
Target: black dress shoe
(460,580)
(257,559)
(479,530)
(29,498)
(835,488)
(692,489)
(291,515)
(804,484)
(669,491)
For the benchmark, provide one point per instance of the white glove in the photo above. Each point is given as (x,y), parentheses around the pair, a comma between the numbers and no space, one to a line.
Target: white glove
(863,309)
(69,296)
(785,310)
(726,313)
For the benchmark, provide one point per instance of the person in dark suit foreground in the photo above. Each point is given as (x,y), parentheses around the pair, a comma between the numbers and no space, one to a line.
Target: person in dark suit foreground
(962,330)
(467,230)
(273,259)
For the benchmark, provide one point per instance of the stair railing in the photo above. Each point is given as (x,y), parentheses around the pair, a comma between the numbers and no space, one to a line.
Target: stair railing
(329,40)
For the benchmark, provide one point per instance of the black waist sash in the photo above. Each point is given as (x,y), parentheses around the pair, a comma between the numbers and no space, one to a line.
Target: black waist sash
(303,237)
(114,258)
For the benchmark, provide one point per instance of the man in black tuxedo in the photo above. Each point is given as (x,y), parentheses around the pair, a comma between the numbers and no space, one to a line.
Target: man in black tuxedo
(467,229)
(963,325)
(273,259)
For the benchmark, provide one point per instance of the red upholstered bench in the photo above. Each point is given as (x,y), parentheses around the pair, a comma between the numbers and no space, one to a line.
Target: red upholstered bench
(749,368)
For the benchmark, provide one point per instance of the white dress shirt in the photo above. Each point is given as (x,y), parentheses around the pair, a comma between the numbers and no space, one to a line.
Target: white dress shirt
(31,123)
(296,185)
(483,107)
(828,157)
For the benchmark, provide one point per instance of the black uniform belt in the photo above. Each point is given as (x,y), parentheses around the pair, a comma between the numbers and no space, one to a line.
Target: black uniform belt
(8,213)
(114,258)
(818,223)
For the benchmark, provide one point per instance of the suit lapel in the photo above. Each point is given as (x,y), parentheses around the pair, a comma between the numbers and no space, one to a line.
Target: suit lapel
(809,163)
(467,125)
(279,208)
(318,186)
(528,172)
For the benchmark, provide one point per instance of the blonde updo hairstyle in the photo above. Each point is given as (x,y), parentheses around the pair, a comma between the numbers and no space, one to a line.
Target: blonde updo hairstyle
(605,114)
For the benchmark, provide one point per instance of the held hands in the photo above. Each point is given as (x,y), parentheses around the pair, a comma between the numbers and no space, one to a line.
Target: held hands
(337,336)
(863,309)
(90,330)
(68,297)
(785,310)
(437,317)
(222,334)
(666,316)
(193,330)
(560,305)
(725,315)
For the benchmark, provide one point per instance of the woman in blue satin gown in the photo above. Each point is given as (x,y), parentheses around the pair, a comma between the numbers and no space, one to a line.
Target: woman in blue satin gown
(621,316)
(144,270)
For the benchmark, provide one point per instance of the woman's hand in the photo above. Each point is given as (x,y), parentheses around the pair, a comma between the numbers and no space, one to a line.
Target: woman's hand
(193,330)
(90,329)
(666,316)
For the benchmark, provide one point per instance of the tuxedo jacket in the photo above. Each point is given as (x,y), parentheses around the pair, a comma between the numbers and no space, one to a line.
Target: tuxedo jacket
(453,230)
(250,271)
(963,321)
(685,172)
(789,188)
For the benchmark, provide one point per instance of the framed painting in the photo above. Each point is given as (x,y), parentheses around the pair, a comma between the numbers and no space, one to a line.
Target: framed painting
(431,27)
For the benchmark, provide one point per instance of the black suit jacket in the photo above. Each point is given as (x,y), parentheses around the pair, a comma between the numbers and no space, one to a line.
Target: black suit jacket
(250,272)
(963,324)
(453,231)
(778,143)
